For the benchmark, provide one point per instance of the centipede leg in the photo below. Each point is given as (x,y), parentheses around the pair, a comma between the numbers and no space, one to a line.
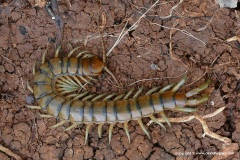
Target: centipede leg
(44,56)
(109,97)
(118,97)
(58,124)
(87,130)
(181,109)
(34,69)
(33,107)
(110,132)
(72,51)
(98,97)
(198,89)
(57,51)
(29,87)
(138,92)
(155,89)
(128,94)
(100,130)
(45,115)
(127,132)
(192,102)
(179,84)
(165,118)
(156,121)
(71,126)
(81,53)
(143,128)
(164,89)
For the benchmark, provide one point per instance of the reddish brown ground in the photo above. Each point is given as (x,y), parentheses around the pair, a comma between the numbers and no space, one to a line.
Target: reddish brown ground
(25,32)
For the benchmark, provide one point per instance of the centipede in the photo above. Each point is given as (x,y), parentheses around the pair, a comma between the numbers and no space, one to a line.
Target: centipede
(57,88)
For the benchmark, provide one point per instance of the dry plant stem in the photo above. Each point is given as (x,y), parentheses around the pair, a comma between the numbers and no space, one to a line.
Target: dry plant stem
(134,26)
(183,31)
(200,119)
(150,79)
(9,152)
(171,10)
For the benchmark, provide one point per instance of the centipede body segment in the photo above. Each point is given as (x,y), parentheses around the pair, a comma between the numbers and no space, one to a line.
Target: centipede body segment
(58,81)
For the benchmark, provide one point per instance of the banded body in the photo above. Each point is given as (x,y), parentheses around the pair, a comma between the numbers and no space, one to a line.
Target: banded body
(56,83)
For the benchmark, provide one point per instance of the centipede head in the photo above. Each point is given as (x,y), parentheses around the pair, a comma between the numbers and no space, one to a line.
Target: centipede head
(96,65)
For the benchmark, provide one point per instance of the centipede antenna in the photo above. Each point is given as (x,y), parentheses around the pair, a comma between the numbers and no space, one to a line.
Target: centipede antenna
(80,95)
(198,89)
(100,130)
(98,97)
(127,132)
(44,56)
(109,97)
(57,51)
(110,132)
(193,102)
(181,109)
(138,92)
(29,87)
(88,97)
(179,84)
(118,97)
(71,126)
(109,72)
(72,51)
(81,53)
(156,121)
(34,69)
(143,128)
(86,133)
(58,124)
(33,107)
(164,89)
(155,89)
(128,94)
(165,118)
(45,115)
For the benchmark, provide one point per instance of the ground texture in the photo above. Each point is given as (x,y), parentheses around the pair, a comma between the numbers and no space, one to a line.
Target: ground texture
(152,54)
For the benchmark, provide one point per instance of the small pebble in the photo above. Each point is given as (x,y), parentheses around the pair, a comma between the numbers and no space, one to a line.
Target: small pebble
(154,66)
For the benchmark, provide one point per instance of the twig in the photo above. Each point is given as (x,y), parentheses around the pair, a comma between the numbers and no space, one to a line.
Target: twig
(149,79)
(134,26)
(171,10)
(200,119)
(183,31)
(9,152)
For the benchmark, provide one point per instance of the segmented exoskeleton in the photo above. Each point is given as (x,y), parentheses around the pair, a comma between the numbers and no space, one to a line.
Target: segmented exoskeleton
(56,86)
